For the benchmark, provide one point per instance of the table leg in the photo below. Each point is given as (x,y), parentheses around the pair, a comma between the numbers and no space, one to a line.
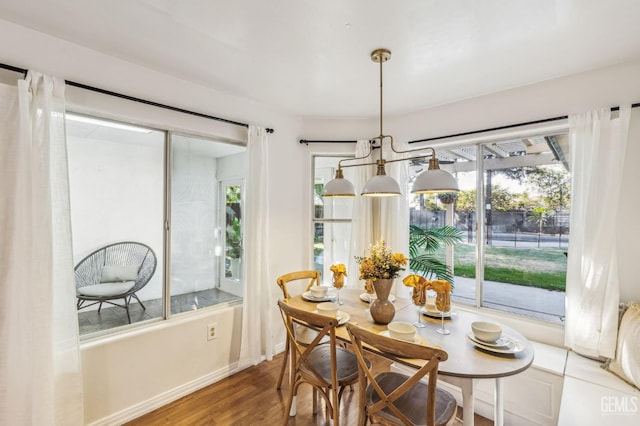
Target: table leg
(467,401)
(498,403)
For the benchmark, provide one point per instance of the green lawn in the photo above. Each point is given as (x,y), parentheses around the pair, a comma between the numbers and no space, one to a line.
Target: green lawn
(544,267)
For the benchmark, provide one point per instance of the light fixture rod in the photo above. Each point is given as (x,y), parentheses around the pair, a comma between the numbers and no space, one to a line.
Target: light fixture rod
(340,165)
(432,155)
(381,108)
(380,56)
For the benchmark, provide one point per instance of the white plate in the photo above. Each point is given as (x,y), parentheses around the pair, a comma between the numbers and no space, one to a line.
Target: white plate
(342,317)
(416,339)
(513,347)
(331,295)
(434,314)
(502,343)
(366,297)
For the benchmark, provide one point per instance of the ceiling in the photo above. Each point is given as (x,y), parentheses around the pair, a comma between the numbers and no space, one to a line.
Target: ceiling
(312,58)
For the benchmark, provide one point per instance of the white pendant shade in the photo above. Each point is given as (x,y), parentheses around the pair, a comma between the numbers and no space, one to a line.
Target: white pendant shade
(381,186)
(339,187)
(434,181)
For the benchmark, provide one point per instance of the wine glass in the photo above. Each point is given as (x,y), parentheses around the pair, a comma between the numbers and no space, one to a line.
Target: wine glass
(443,305)
(338,283)
(419,297)
(370,291)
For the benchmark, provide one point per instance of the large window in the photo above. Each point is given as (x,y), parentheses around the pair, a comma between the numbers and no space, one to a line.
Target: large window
(513,214)
(513,211)
(331,219)
(121,177)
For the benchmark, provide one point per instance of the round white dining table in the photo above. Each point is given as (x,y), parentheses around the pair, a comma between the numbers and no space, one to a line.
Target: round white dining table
(466,362)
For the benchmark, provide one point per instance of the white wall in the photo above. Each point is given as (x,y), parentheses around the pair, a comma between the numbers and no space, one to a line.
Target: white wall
(130,373)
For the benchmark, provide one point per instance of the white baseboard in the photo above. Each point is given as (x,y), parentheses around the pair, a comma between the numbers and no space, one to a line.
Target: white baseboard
(165,398)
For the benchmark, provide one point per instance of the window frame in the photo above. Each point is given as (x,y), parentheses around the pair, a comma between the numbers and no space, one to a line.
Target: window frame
(314,219)
(555,127)
(165,253)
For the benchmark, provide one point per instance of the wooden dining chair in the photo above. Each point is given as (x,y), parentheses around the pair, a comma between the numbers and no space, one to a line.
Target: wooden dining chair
(309,279)
(397,399)
(328,368)
(284,281)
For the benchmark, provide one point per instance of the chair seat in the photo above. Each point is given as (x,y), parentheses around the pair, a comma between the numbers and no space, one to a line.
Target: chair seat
(106,289)
(346,363)
(411,404)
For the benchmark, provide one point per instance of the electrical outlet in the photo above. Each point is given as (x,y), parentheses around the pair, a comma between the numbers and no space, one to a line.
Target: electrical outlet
(211,331)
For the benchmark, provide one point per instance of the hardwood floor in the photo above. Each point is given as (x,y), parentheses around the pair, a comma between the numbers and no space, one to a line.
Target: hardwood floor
(250,398)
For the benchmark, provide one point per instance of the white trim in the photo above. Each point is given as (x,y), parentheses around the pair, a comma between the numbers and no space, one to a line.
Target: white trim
(167,397)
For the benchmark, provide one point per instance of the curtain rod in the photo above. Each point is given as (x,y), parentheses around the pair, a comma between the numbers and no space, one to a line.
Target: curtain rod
(472,132)
(139,100)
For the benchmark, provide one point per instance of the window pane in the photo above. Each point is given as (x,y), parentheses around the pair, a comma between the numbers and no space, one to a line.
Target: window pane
(196,236)
(330,208)
(116,177)
(233,231)
(331,246)
(464,253)
(332,219)
(527,200)
(430,212)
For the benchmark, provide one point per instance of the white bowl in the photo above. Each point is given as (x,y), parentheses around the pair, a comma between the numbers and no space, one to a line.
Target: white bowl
(319,291)
(486,331)
(402,330)
(329,309)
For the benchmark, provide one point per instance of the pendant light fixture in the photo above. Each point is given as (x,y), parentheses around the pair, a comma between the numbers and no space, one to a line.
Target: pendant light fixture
(432,181)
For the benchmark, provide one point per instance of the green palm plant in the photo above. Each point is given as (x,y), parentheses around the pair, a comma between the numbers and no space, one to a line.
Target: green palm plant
(424,244)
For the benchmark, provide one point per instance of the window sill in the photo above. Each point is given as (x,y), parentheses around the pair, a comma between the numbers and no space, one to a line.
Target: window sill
(531,328)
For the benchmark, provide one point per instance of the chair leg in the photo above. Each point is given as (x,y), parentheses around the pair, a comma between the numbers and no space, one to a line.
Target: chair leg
(314,398)
(99,307)
(285,361)
(336,408)
(126,306)
(134,295)
(290,409)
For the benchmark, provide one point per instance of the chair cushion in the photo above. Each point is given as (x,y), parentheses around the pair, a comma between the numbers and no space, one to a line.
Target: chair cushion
(106,289)
(118,273)
(346,362)
(413,403)
(626,364)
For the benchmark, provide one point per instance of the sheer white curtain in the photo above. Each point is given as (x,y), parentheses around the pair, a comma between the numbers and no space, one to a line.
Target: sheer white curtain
(394,211)
(598,145)
(258,306)
(362,220)
(40,371)
(378,218)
